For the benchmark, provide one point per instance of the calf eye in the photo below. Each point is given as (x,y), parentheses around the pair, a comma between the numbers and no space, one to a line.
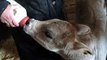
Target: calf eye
(47,33)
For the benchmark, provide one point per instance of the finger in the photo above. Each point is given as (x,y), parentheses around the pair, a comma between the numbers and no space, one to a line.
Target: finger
(11,23)
(11,18)
(6,22)
(14,20)
(3,20)
(15,23)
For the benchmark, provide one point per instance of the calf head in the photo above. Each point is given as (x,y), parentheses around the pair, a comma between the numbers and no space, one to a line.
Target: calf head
(60,37)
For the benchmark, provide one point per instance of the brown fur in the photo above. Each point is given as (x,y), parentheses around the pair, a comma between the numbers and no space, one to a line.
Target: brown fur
(7,46)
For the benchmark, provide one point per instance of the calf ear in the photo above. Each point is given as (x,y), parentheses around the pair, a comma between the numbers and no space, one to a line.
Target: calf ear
(83,29)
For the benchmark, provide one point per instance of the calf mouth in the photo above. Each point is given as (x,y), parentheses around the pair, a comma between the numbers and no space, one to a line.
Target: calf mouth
(28,25)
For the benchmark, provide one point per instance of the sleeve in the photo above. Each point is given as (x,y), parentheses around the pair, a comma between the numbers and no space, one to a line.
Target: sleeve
(3,5)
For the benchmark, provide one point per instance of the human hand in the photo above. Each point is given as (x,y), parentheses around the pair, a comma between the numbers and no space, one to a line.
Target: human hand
(13,14)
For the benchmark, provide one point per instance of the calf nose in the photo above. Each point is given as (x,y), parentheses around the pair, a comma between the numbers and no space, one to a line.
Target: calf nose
(80,46)
(86,52)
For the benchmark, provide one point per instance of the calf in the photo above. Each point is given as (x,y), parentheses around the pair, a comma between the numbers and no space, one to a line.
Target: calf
(74,41)
(71,41)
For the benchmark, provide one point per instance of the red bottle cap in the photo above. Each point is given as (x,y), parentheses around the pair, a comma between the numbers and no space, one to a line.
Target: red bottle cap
(23,21)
